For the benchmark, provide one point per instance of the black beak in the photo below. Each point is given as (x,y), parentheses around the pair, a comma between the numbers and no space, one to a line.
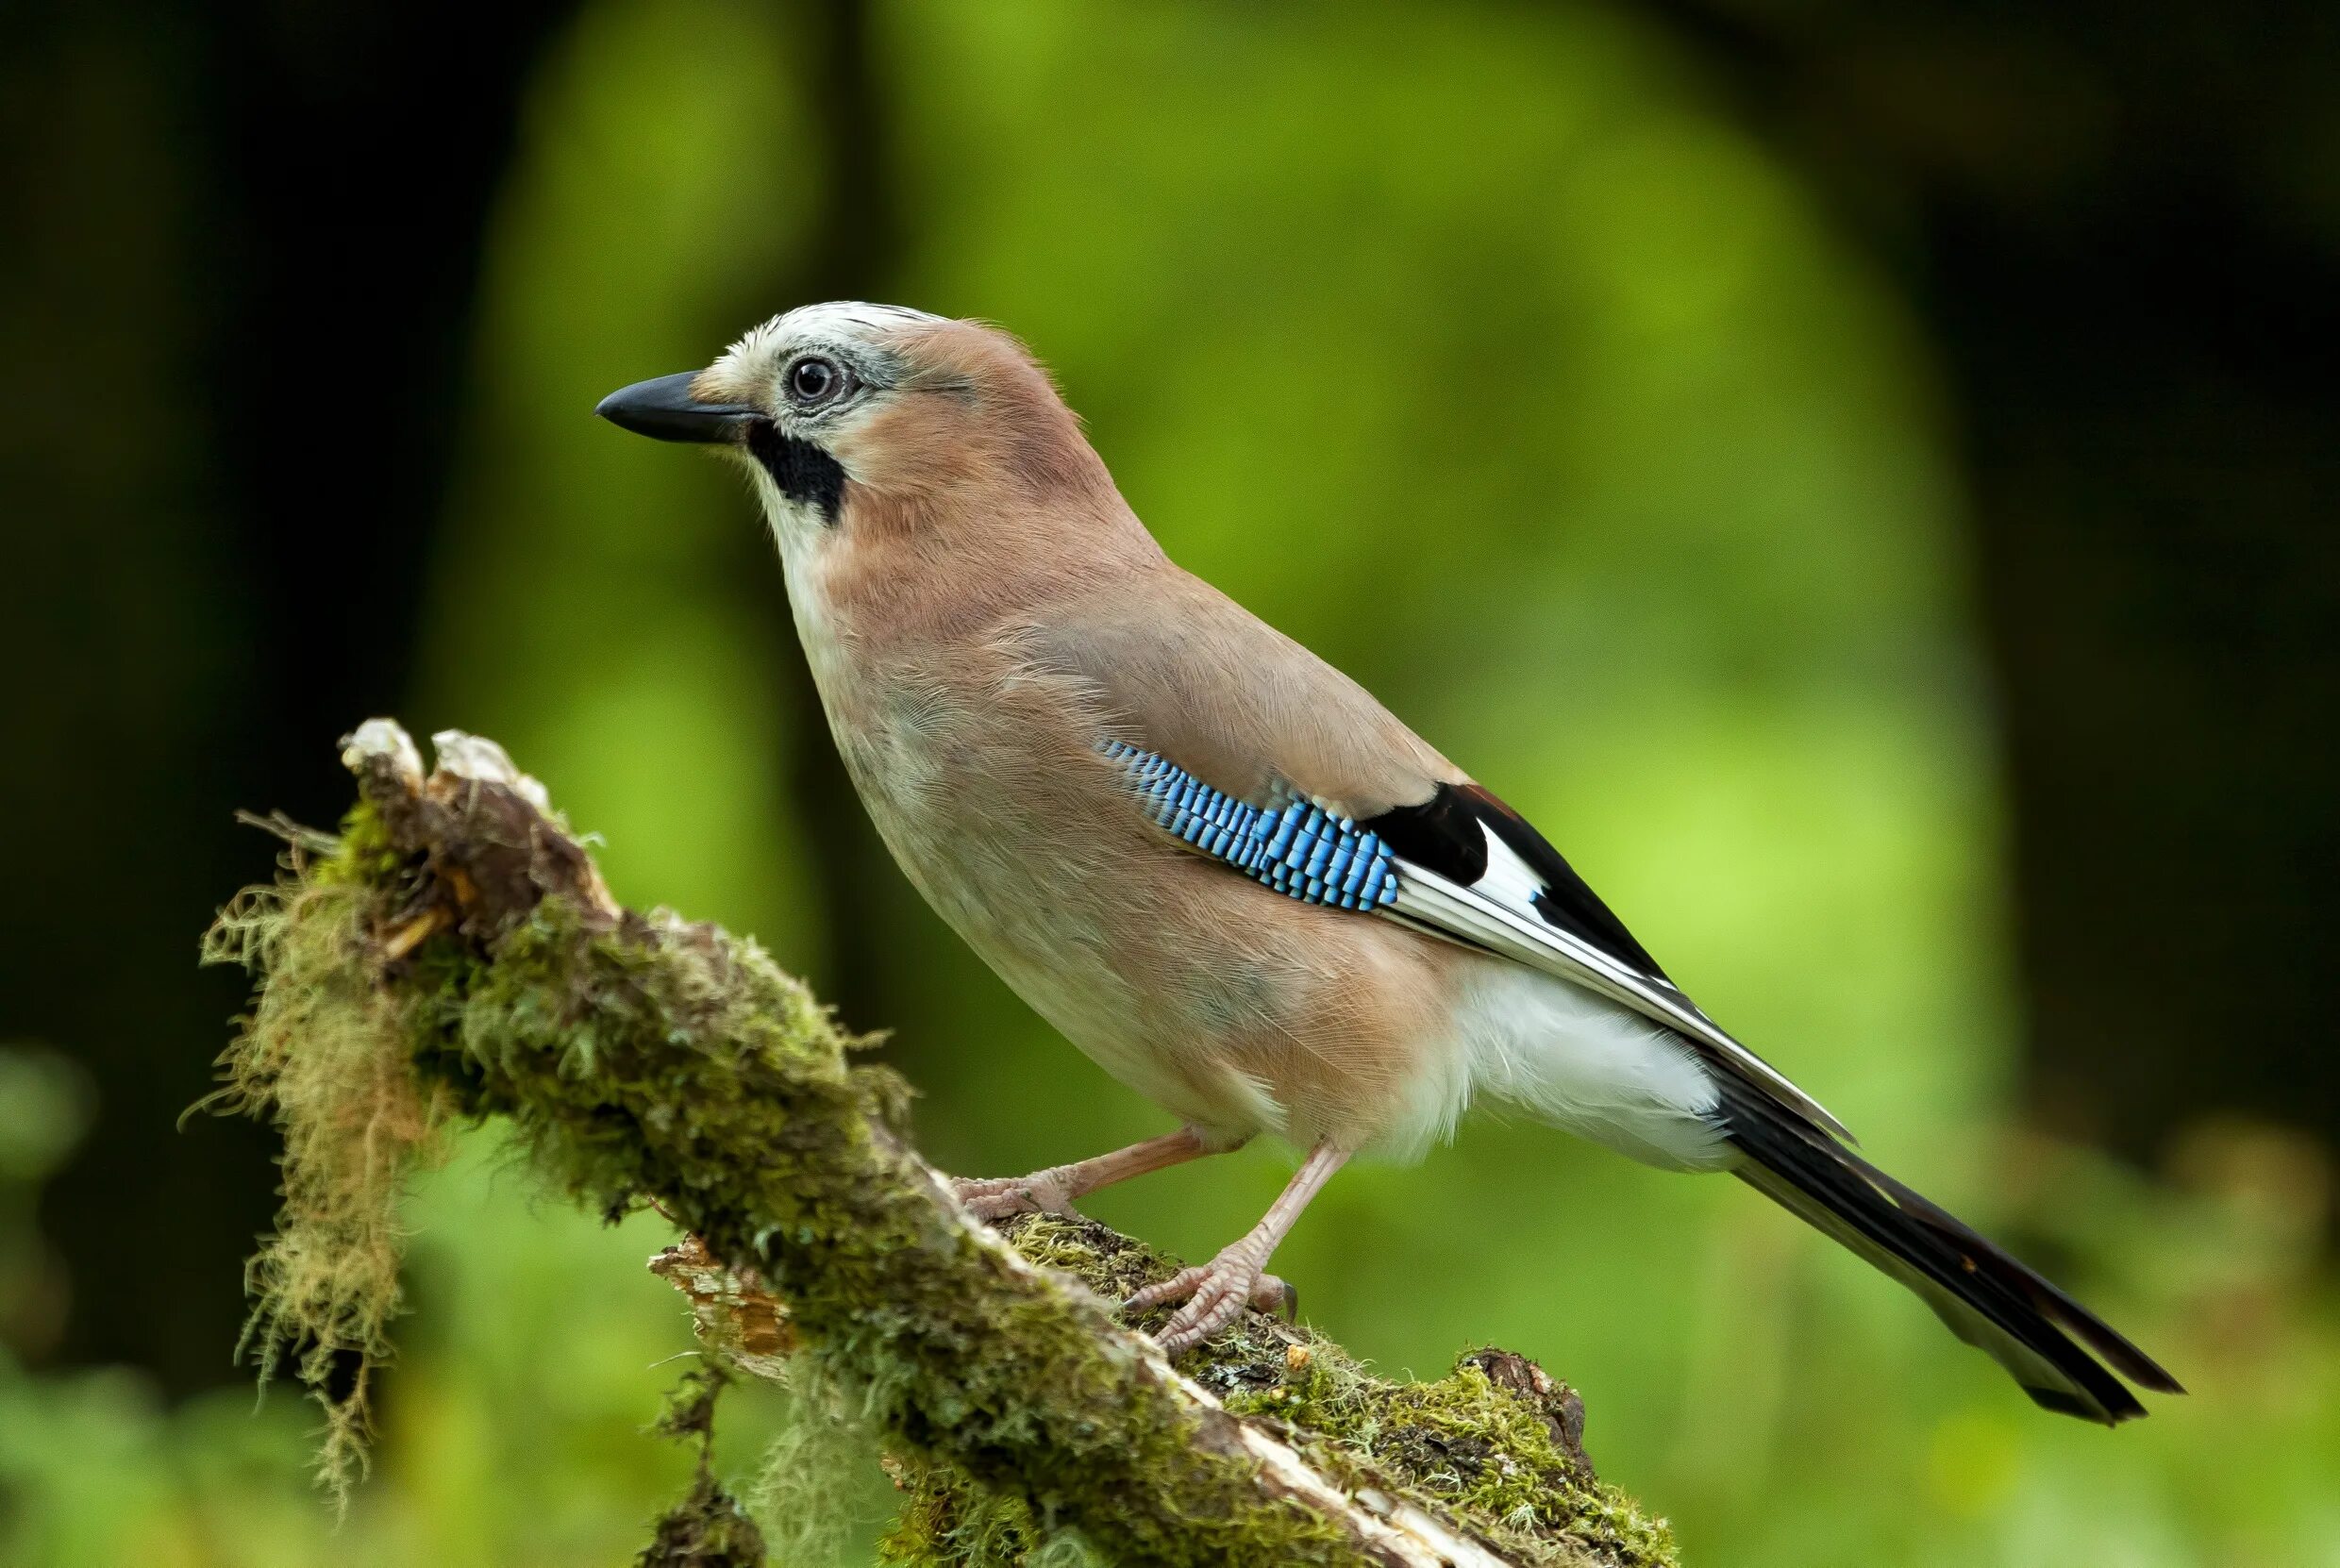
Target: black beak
(665,410)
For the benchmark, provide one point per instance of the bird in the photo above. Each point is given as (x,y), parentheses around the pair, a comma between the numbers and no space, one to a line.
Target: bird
(1217,865)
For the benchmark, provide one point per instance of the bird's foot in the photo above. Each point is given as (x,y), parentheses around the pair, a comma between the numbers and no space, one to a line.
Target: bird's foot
(998,1197)
(1215,1295)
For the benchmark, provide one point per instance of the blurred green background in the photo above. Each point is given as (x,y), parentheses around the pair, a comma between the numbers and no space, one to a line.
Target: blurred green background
(1859,478)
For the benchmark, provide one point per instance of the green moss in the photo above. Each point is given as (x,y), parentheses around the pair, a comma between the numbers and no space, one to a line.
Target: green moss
(640,1056)
(668,1058)
(949,1522)
(675,1061)
(1490,1454)
(367,856)
(707,1529)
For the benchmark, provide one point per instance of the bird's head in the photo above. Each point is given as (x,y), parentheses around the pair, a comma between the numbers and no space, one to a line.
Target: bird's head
(873,424)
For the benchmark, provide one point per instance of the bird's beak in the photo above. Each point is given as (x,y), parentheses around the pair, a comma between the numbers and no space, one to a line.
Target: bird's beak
(665,409)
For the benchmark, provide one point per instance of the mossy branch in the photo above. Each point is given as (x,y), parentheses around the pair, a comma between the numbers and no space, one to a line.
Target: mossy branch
(455,954)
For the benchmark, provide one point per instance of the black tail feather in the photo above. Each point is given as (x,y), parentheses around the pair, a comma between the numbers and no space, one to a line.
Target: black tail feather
(1985,1296)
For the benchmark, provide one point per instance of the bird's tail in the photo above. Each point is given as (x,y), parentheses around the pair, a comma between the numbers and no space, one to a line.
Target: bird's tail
(2039,1334)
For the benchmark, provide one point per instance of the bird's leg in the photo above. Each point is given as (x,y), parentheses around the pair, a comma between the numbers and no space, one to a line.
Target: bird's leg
(1052,1191)
(1216,1294)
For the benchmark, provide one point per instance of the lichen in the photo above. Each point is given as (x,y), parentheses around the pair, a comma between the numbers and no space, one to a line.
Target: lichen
(817,1465)
(323,1057)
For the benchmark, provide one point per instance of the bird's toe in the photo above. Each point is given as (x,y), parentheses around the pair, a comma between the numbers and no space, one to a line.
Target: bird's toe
(1179,1287)
(1214,1296)
(998,1197)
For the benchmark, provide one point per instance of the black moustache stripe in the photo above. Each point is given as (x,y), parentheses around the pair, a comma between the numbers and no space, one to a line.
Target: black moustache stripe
(805,474)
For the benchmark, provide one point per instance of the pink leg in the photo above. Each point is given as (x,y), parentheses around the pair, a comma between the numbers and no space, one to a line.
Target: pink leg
(1216,1294)
(1052,1191)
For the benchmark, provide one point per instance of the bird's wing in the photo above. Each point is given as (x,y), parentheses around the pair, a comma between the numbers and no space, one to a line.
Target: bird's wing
(1247,748)
(1470,867)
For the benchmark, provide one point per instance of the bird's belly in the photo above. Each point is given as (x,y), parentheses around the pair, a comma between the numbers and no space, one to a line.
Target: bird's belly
(1234,1008)
(1046,924)
(992,826)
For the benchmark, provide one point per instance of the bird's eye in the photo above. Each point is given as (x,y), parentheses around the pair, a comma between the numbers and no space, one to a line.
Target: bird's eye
(814,381)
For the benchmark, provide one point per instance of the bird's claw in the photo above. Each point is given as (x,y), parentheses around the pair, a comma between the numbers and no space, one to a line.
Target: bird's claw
(998,1197)
(1215,1294)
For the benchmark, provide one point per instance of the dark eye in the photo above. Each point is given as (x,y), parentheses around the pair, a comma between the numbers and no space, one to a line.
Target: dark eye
(814,381)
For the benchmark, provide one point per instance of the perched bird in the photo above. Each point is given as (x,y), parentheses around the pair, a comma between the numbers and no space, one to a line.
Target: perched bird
(1217,864)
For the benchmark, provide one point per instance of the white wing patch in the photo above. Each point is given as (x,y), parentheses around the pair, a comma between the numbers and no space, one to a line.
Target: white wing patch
(1499,913)
(1509,880)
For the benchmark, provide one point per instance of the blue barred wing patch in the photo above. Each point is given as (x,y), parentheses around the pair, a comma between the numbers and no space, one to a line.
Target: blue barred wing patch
(1299,848)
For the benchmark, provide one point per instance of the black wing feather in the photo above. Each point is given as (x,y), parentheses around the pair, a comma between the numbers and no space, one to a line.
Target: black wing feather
(1448,834)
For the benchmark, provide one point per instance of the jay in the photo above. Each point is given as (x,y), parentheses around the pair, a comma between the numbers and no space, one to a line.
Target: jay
(1216,864)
